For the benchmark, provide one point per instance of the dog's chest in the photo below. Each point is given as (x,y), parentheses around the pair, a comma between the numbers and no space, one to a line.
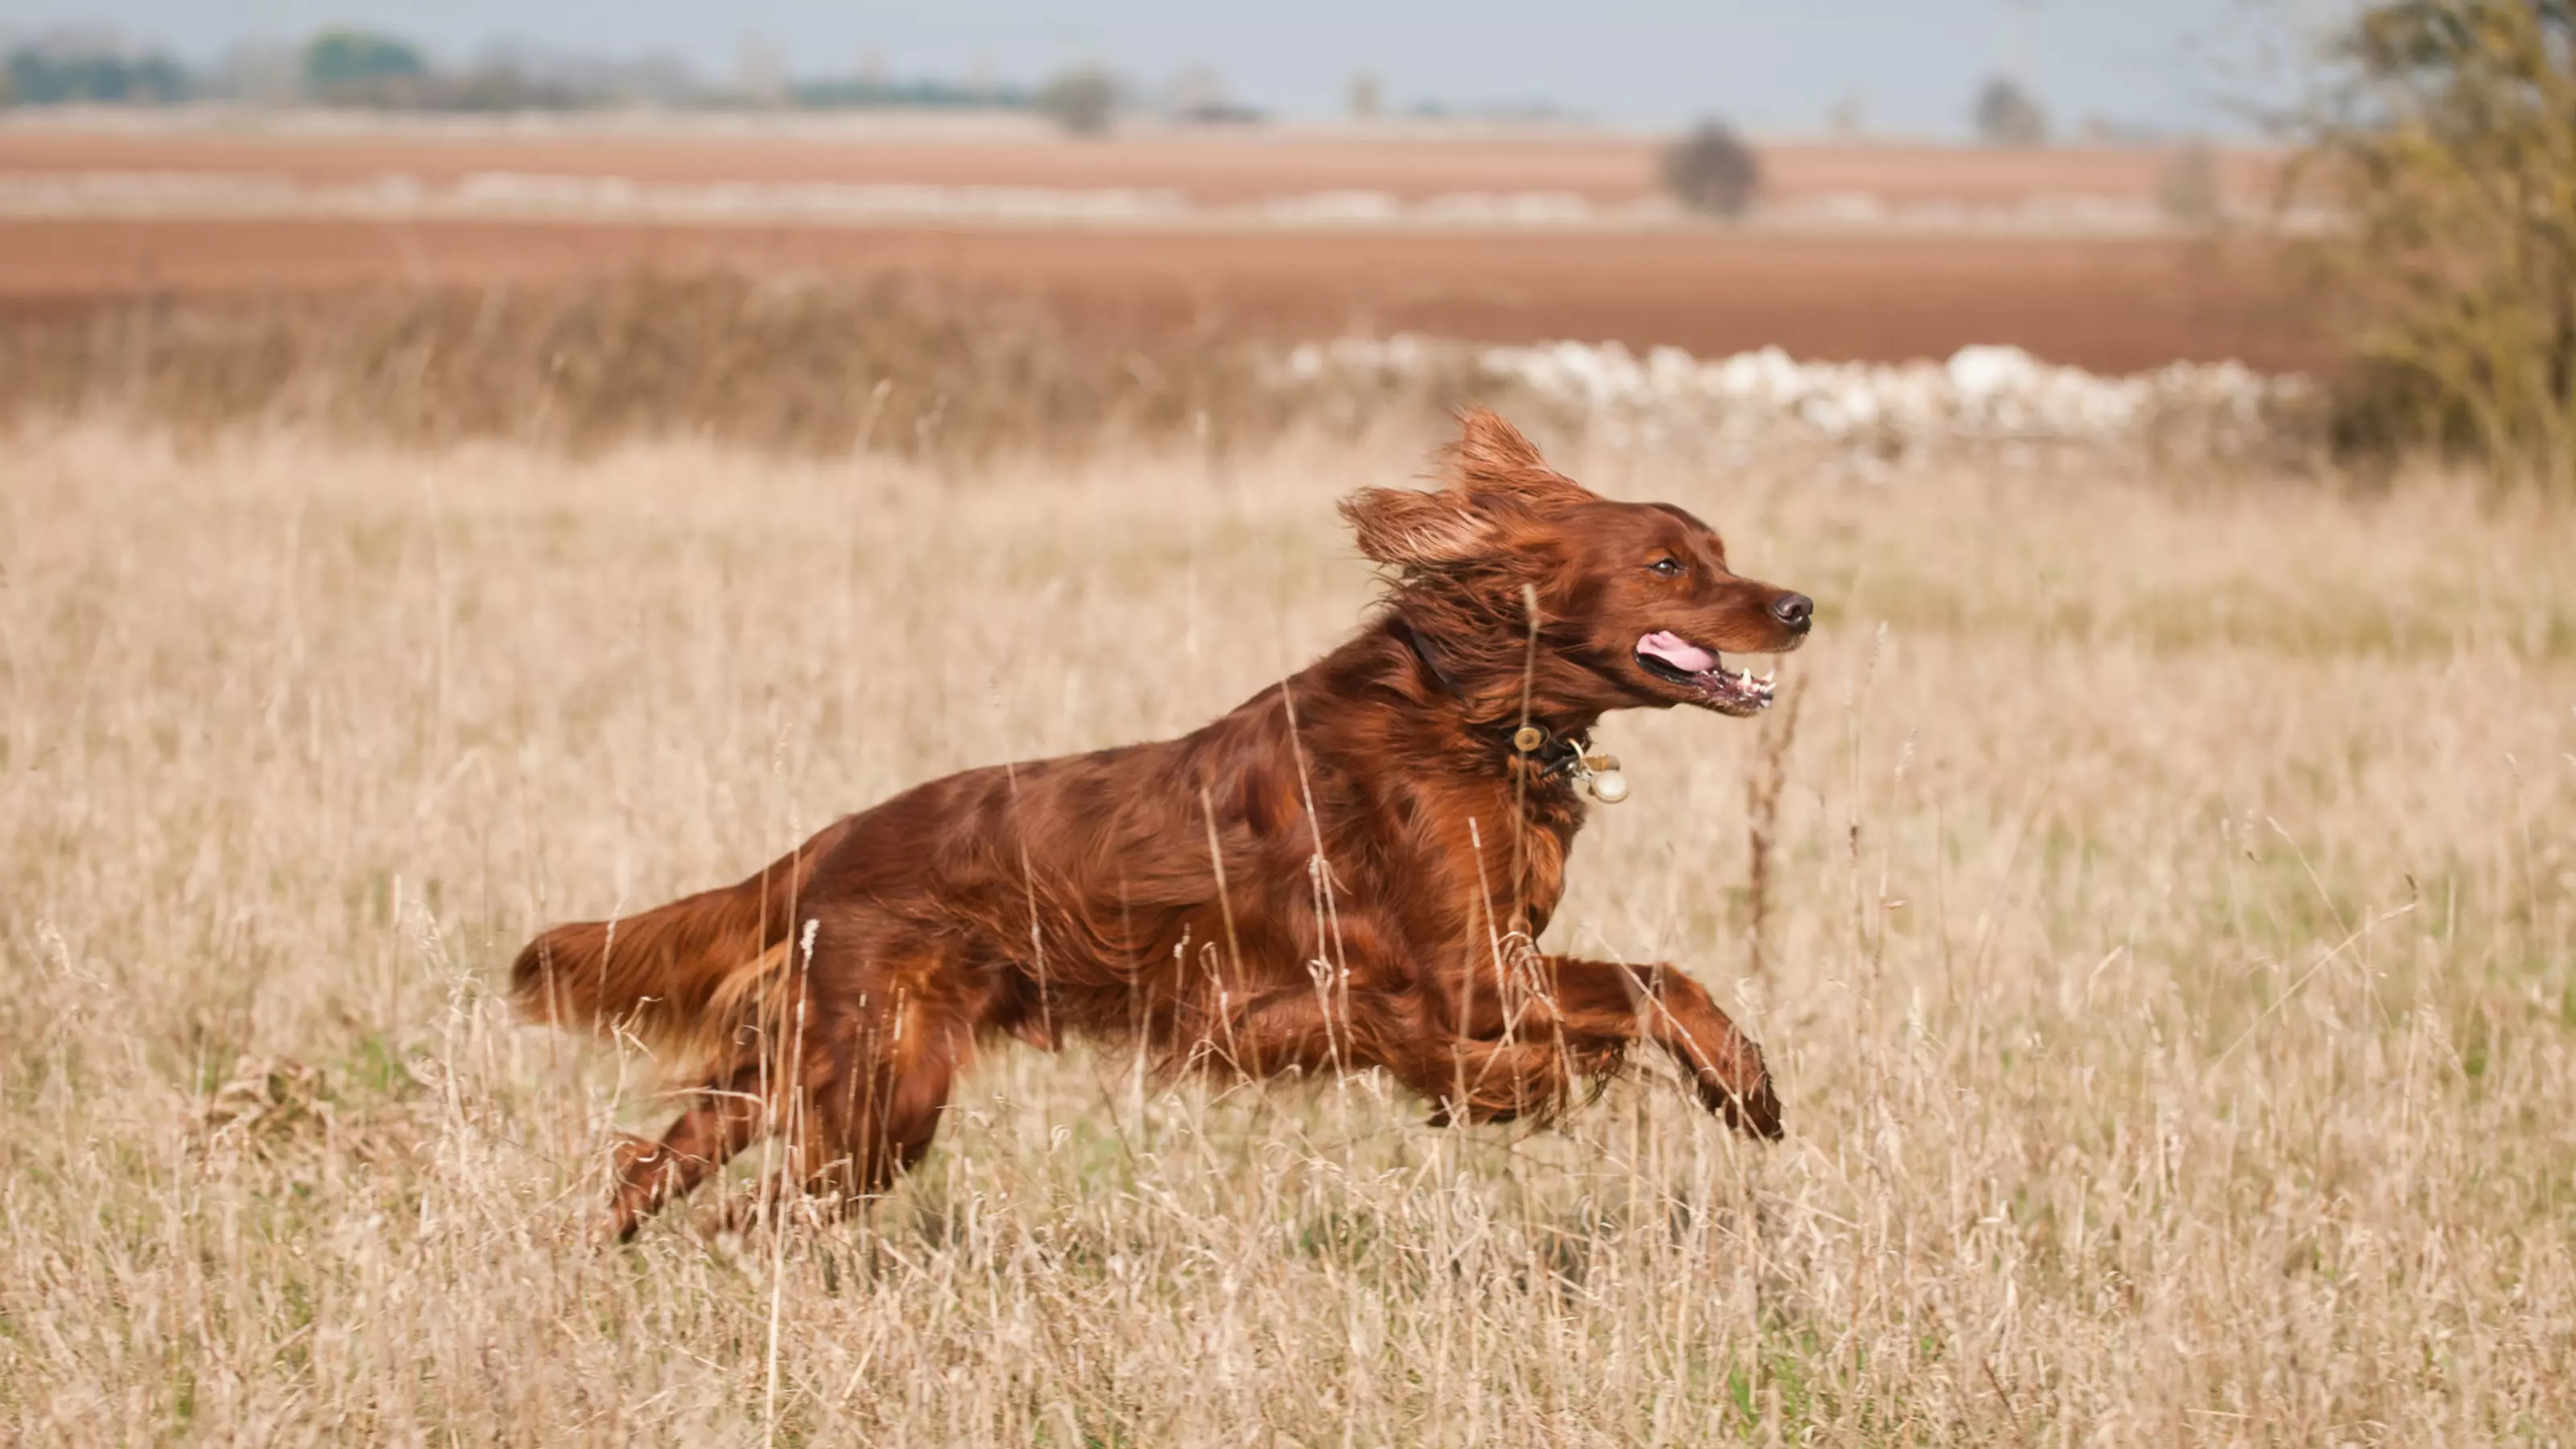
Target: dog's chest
(1546,839)
(1497,852)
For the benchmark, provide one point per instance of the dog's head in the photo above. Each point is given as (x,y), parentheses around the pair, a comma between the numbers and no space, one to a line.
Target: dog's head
(1636,605)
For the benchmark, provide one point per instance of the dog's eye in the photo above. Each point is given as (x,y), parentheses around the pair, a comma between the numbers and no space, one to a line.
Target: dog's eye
(1668,567)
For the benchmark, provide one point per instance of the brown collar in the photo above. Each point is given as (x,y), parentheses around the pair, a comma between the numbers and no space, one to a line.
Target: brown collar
(1402,628)
(1550,754)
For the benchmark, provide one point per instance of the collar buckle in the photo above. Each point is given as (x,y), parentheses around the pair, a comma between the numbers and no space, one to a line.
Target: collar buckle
(1598,773)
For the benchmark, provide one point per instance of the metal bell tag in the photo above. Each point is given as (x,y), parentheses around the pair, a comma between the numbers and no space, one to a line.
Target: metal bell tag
(1604,779)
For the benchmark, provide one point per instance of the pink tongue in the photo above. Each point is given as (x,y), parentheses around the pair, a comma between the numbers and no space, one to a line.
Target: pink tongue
(1678,652)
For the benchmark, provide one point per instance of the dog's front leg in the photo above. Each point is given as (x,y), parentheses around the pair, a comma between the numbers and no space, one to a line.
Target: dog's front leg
(1660,1004)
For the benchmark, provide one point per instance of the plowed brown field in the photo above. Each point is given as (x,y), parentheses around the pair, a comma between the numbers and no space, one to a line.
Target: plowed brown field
(1212,169)
(2105,304)
(2102,302)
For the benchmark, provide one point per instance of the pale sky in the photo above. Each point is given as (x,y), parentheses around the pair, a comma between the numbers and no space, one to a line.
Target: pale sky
(1770,65)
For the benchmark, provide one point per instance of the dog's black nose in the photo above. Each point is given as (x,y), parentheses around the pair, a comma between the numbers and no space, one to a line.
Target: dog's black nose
(1794,610)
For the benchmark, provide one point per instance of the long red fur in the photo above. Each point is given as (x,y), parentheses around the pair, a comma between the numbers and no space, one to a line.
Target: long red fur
(1349,870)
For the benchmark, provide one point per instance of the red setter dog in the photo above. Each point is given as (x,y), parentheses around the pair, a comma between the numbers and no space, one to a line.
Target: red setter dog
(1349,870)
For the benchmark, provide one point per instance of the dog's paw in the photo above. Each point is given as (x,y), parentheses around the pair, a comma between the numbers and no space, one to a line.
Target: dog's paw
(1755,1113)
(612,1229)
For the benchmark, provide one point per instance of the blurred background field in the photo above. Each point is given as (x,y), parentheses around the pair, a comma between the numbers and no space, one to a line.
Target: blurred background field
(446,491)
(1874,252)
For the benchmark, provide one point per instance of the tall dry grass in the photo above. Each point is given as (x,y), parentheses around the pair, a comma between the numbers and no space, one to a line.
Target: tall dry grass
(2167,924)
(809,366)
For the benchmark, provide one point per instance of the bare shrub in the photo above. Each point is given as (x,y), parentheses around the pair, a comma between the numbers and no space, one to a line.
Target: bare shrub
(2187,186)
(1712,169)
(2007,115)
(2447,141)
(1083,100)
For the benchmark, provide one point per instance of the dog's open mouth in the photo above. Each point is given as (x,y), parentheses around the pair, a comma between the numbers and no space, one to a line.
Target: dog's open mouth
(1667,655)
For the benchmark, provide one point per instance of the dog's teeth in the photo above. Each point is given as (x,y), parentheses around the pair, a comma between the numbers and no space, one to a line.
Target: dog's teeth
(1768,675)
(1744,677)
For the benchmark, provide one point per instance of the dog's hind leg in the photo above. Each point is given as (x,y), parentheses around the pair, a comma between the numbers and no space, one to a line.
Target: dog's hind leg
(726,1117)
(872,1108)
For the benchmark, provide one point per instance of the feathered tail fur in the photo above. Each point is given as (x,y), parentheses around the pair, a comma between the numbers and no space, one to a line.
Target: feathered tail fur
(682,978)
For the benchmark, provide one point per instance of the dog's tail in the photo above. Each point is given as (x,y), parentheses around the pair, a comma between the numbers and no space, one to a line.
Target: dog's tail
(681,978)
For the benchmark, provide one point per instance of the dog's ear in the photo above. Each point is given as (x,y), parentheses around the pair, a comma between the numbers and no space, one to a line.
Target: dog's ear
(1499,492)
(1405,529)
(1493,457)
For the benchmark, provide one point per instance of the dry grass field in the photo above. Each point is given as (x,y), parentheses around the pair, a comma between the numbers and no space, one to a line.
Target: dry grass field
(2168,941)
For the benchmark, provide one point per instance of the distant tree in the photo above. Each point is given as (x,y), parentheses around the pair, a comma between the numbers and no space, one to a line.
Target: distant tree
(2444,142)
(2007,116)
(862,92)
(1082,100)
(1712,169)
(74,71)
(1195,91)
(269,74)
(362,67)
(503,84)
(1366,99)
(759,73)
(156,79)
